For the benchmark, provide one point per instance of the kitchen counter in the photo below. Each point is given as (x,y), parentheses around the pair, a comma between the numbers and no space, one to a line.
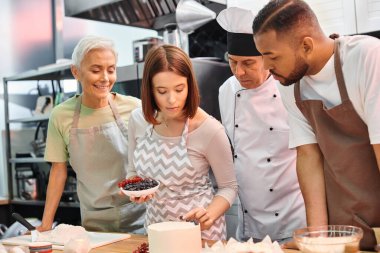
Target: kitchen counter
(131,244)
(4,201)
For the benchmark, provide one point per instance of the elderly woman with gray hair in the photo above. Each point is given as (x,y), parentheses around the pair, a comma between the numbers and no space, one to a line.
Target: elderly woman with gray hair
(89,131)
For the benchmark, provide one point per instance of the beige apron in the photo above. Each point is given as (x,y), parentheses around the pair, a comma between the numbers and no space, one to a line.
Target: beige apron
(352,175)
(182,187)
(98,155)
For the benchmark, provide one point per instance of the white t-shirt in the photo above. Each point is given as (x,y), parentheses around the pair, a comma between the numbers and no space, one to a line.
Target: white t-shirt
(360,59)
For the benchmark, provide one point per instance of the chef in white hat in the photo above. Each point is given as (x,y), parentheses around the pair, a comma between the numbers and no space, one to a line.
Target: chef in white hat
(256,123)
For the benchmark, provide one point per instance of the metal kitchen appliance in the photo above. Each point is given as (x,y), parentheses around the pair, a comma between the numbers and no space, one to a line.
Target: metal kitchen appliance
(30,179)
(172,35)
(141,47)
(151,14)
(191,15)
(26,184)
(26,181)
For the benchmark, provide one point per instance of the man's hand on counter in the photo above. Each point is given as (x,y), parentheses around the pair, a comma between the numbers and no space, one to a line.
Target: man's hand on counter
(289,245)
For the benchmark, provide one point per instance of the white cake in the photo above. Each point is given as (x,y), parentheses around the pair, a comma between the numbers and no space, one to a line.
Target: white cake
(174,237)
(62,234)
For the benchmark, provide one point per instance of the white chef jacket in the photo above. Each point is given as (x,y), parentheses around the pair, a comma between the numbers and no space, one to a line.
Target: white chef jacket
(256,123)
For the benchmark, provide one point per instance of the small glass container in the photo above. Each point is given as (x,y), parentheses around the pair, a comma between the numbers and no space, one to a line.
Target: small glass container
(40,247)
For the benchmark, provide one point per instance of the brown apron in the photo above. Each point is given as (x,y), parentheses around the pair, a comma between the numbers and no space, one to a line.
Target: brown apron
(352,175)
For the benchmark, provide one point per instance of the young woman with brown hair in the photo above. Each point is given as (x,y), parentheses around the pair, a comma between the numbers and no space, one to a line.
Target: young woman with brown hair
(175,142)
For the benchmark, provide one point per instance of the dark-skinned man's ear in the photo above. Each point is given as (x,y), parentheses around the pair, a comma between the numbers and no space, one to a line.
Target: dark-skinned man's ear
(307,45)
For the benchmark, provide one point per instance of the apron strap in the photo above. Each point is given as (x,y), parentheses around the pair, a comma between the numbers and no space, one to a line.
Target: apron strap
(149,131)
(117,116)
(77,111)
(297,92)
(113,107)
(339,73)
(185,132)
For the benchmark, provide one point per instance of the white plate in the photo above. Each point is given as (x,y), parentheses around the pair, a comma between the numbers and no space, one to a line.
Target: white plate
(142,192)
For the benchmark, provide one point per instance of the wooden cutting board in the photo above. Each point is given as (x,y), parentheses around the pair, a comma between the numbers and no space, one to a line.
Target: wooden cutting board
(97,239)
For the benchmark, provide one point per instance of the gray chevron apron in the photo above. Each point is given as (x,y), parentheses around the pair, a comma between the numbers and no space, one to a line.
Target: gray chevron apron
(352,176)
(182,187)
(98,155)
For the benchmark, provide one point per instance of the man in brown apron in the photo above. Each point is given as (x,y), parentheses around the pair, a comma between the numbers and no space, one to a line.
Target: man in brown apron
(333,113)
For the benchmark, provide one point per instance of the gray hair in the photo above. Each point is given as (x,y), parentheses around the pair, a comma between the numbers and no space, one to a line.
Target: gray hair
(88,43)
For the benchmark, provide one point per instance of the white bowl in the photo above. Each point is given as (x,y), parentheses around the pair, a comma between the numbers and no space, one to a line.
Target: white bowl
(142,192)
(328,239)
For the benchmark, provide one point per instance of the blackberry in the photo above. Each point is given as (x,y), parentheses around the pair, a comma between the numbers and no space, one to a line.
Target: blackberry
(138,185)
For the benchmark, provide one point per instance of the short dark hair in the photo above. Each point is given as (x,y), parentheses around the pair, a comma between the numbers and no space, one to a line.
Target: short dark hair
(283,16)
(168,58)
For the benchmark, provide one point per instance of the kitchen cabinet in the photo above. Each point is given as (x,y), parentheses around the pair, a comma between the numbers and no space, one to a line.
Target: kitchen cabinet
(367,15)
(255,6)
(345,17)
(335,16)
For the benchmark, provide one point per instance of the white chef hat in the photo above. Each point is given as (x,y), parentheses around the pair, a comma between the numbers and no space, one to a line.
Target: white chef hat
(238,24)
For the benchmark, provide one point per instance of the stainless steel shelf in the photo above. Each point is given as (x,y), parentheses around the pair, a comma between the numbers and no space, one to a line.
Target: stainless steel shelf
(18,201)
(30,119)
(52,72)
(60,72)
(27,160)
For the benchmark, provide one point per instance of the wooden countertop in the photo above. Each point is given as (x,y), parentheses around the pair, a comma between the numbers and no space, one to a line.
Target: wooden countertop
(131,244)
(128,245)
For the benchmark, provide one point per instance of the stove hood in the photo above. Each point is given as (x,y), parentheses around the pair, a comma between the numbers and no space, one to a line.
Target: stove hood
(150,14)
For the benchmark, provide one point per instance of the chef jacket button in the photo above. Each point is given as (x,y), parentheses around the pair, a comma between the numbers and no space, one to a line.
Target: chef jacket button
(271,128)
(245,211)
(238,95)
(270,189)
(274,95)
(236,125)
(268,160)
(276,214)
(235,156)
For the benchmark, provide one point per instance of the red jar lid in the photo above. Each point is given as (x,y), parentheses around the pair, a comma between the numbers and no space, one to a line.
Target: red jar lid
(40,247)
